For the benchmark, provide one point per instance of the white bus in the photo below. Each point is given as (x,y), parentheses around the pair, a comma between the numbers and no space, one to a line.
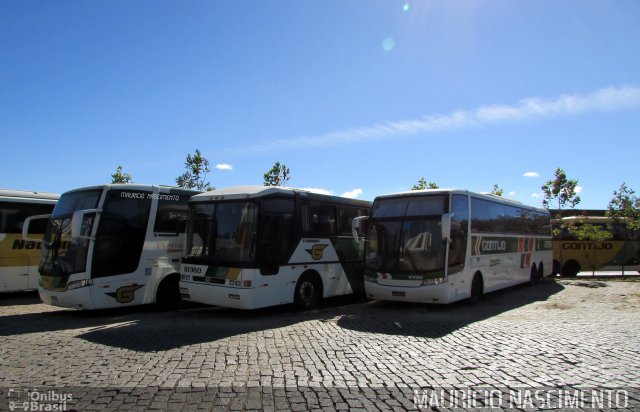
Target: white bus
(114,245)
(421,246)
(256,246)
(19,258)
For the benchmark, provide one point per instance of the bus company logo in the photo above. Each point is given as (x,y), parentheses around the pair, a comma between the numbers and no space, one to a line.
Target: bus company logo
(26,244)
(317,251)
(587,246)
(494,245)
(19,244)
(489,246)
(125,294)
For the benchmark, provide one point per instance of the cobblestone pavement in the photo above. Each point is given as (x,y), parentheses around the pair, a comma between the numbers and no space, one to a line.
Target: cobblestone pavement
(548,340)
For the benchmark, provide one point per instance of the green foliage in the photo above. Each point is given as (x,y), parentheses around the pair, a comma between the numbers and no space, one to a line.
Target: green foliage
(195,176)
(423,184)
(279,175)
(119,177)
(562,190)
(624,208)
(587,231)
(497,190)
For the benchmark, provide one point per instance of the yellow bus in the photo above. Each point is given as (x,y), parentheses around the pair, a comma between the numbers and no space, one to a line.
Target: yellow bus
(19,258)
(571,256)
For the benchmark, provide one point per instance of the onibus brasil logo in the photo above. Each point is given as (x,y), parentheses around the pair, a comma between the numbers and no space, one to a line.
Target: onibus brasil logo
(35,400)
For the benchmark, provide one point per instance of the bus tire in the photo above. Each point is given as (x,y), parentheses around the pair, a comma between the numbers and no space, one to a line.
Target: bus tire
(477,288)
(556,268)
(541,271)
(534,275)
(570,268)
(308,292)
(168,293)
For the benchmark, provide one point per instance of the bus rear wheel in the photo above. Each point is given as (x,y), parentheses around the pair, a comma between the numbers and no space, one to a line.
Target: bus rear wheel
(308,291)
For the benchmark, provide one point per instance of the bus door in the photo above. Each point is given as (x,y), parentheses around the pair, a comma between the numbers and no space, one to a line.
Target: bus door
(116,267)
(275,280)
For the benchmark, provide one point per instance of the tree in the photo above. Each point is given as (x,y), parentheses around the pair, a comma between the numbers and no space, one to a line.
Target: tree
(119,177)
(197,168)
(624,208)
(588,231)
(497,190)
(562,190)
(279,175)
(423,184)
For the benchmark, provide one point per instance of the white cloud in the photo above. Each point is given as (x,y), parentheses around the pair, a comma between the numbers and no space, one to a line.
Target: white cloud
(318,190)
(352,194)
(536,195)
(607,99)
(531,174)
(224,166)
(579,189)
(511,194)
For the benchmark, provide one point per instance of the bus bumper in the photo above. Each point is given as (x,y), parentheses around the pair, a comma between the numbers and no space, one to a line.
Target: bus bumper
(76,298)
(217,295)
(421,294)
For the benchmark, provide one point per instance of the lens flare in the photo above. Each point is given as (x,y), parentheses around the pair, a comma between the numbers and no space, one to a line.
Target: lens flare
(388,44)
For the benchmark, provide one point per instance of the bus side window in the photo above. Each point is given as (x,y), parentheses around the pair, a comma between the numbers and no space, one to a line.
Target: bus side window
(171,216)
(276,230)
(459,230)
(323,219)
(345,217)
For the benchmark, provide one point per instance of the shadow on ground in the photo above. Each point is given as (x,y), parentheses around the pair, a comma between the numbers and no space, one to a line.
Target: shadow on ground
(435,321)
(147,329)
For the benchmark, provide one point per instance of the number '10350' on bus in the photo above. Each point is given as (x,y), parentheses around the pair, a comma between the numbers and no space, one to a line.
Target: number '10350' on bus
(441,246)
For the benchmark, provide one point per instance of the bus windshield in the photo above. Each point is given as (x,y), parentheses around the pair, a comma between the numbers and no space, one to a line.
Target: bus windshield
(406,246)
(406,235)
(62,255)
(222,233)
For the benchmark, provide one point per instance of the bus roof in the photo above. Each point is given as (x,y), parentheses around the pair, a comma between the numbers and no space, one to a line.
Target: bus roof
(486,196)
(255,191)
(133,186)
(14,194)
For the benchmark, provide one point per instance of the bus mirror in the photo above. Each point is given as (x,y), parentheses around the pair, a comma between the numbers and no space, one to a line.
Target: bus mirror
(359,228)
(27,224)
(446,226)
(81,224)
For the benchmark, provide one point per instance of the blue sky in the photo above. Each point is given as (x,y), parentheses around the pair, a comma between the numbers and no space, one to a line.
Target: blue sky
(356,97)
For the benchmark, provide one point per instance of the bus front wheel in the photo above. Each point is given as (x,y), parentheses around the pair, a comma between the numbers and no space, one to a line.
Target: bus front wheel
(477,288)
(308,291)
(534,277)
(168,294)
(570,268)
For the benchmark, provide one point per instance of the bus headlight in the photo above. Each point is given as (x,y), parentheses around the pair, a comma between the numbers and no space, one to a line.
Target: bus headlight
(76,284)
(432,282)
